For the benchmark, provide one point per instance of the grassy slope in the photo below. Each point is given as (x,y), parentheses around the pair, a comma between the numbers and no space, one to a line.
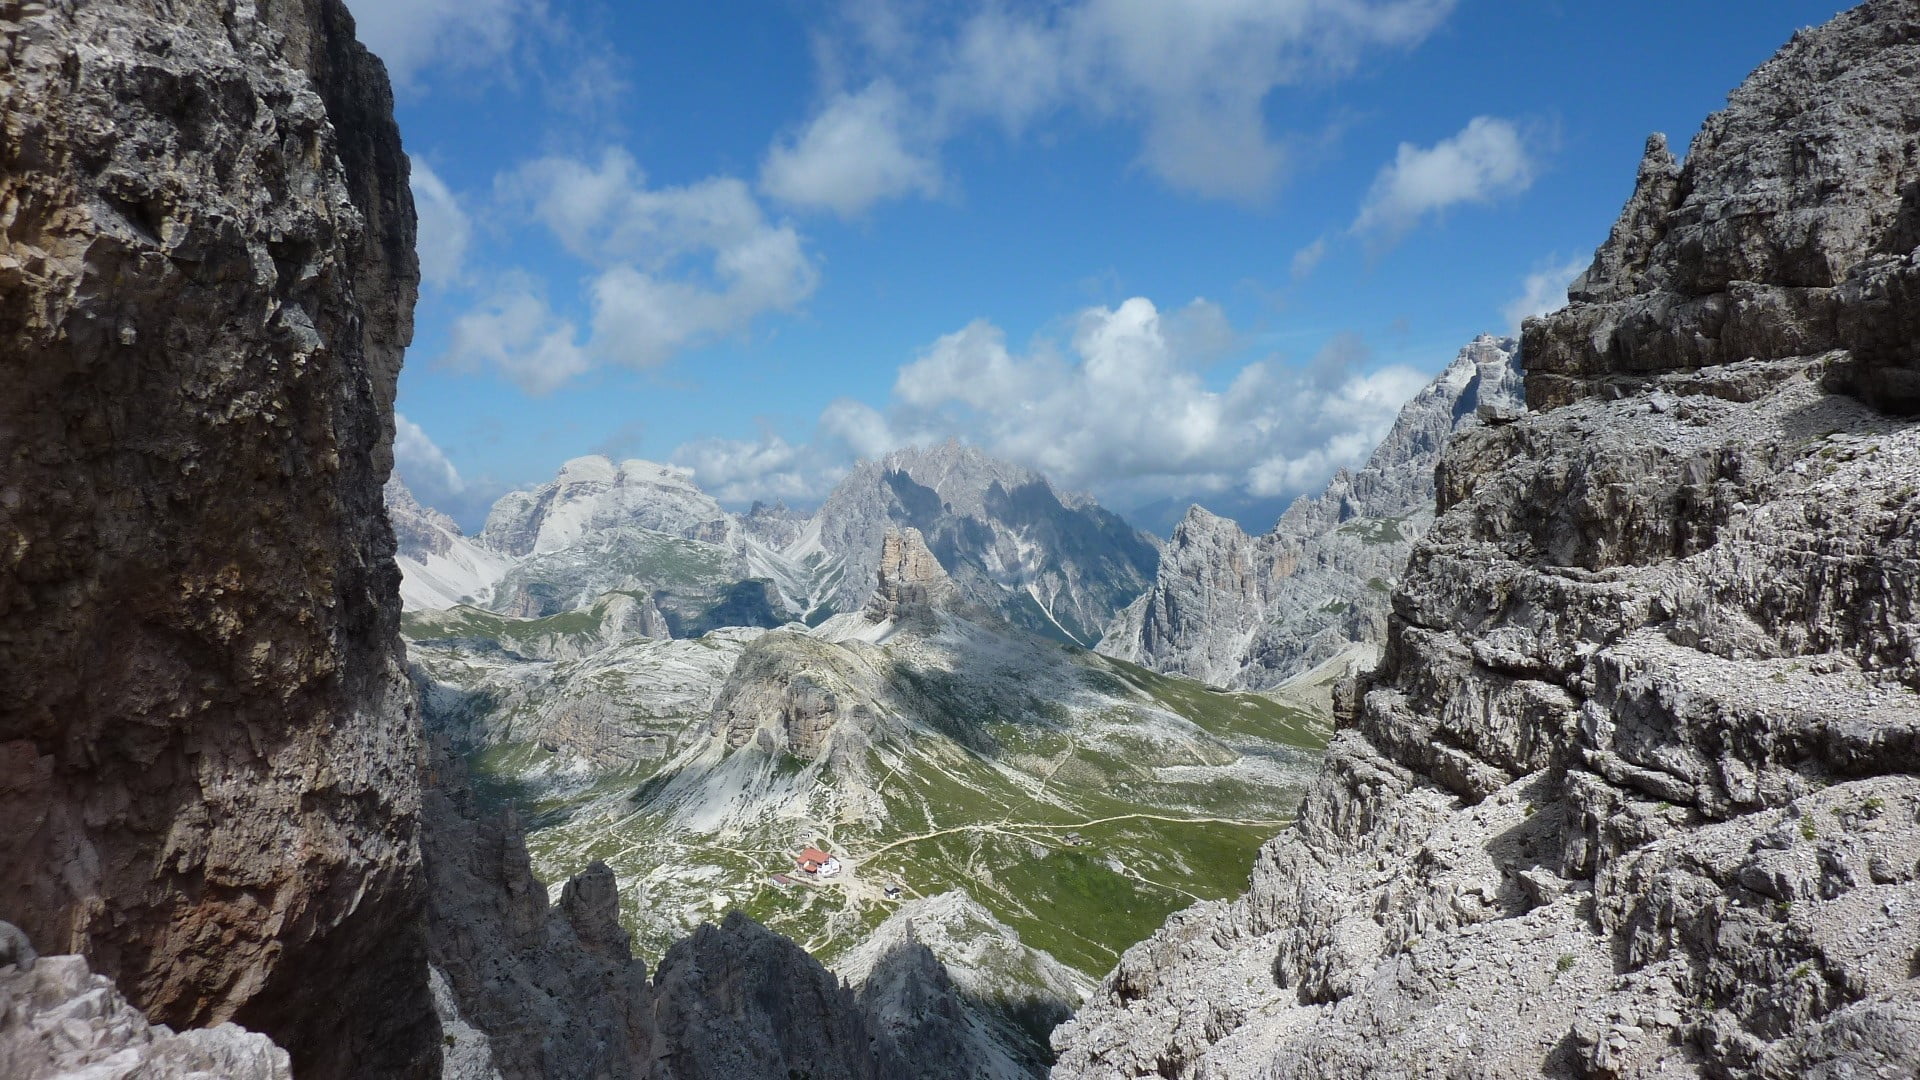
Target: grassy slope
(997,779)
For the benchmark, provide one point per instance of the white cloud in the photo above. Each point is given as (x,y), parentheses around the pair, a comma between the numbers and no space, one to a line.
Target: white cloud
(516,334)
(767,469)
(770,468)
(411,35)
(445,229)
(422,465)
(431,476)
(1484,161)
(1193,79)
(1543,290)
(674,267)
(1309,257)
(1122,407)
(853,154)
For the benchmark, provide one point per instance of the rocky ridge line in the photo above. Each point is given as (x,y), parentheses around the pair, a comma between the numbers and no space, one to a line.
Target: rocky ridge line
(1057,565)
(1252,612)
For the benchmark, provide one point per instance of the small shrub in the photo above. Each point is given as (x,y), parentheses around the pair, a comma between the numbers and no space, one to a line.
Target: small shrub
(1564,964)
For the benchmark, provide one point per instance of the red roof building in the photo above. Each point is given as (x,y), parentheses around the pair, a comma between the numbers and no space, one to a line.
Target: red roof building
(817,862)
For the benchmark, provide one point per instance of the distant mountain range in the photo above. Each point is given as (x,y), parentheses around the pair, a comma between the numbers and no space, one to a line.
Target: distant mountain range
(648,553)
(1057,564)
(691,695)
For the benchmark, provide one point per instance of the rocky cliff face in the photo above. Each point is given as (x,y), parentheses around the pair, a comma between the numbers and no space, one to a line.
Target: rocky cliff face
(907,578)
(1788,232)
(536,990)
(211,777)
(1634,790)
(1060,566)
(1243,611)
(207,282)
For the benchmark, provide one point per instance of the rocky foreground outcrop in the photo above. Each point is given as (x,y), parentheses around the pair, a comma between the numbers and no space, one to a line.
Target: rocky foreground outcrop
(58,1019)
(208,768)
(1254,611)
(1634,791)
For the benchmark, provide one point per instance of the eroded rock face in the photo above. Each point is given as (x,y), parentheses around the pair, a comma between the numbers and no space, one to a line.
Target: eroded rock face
(1253,611)
(1789,231)
(908,577)
(1636,789)
(208,756)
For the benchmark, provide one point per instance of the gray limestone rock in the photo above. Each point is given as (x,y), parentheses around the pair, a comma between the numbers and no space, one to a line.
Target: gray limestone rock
(59,1020)
(1635,791)
(15,948)
(1789,231)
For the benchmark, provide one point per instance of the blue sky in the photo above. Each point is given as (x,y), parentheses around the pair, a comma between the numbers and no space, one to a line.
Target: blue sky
(1163,250)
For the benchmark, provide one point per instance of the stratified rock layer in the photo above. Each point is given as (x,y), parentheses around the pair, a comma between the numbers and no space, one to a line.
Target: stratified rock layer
(207,763)
(1634,792)
(1246,611)
(1789,231)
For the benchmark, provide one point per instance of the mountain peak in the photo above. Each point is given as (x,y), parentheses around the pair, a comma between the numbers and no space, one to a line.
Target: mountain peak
(586,468)
(591,493)
(1061,567)
(909,576)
